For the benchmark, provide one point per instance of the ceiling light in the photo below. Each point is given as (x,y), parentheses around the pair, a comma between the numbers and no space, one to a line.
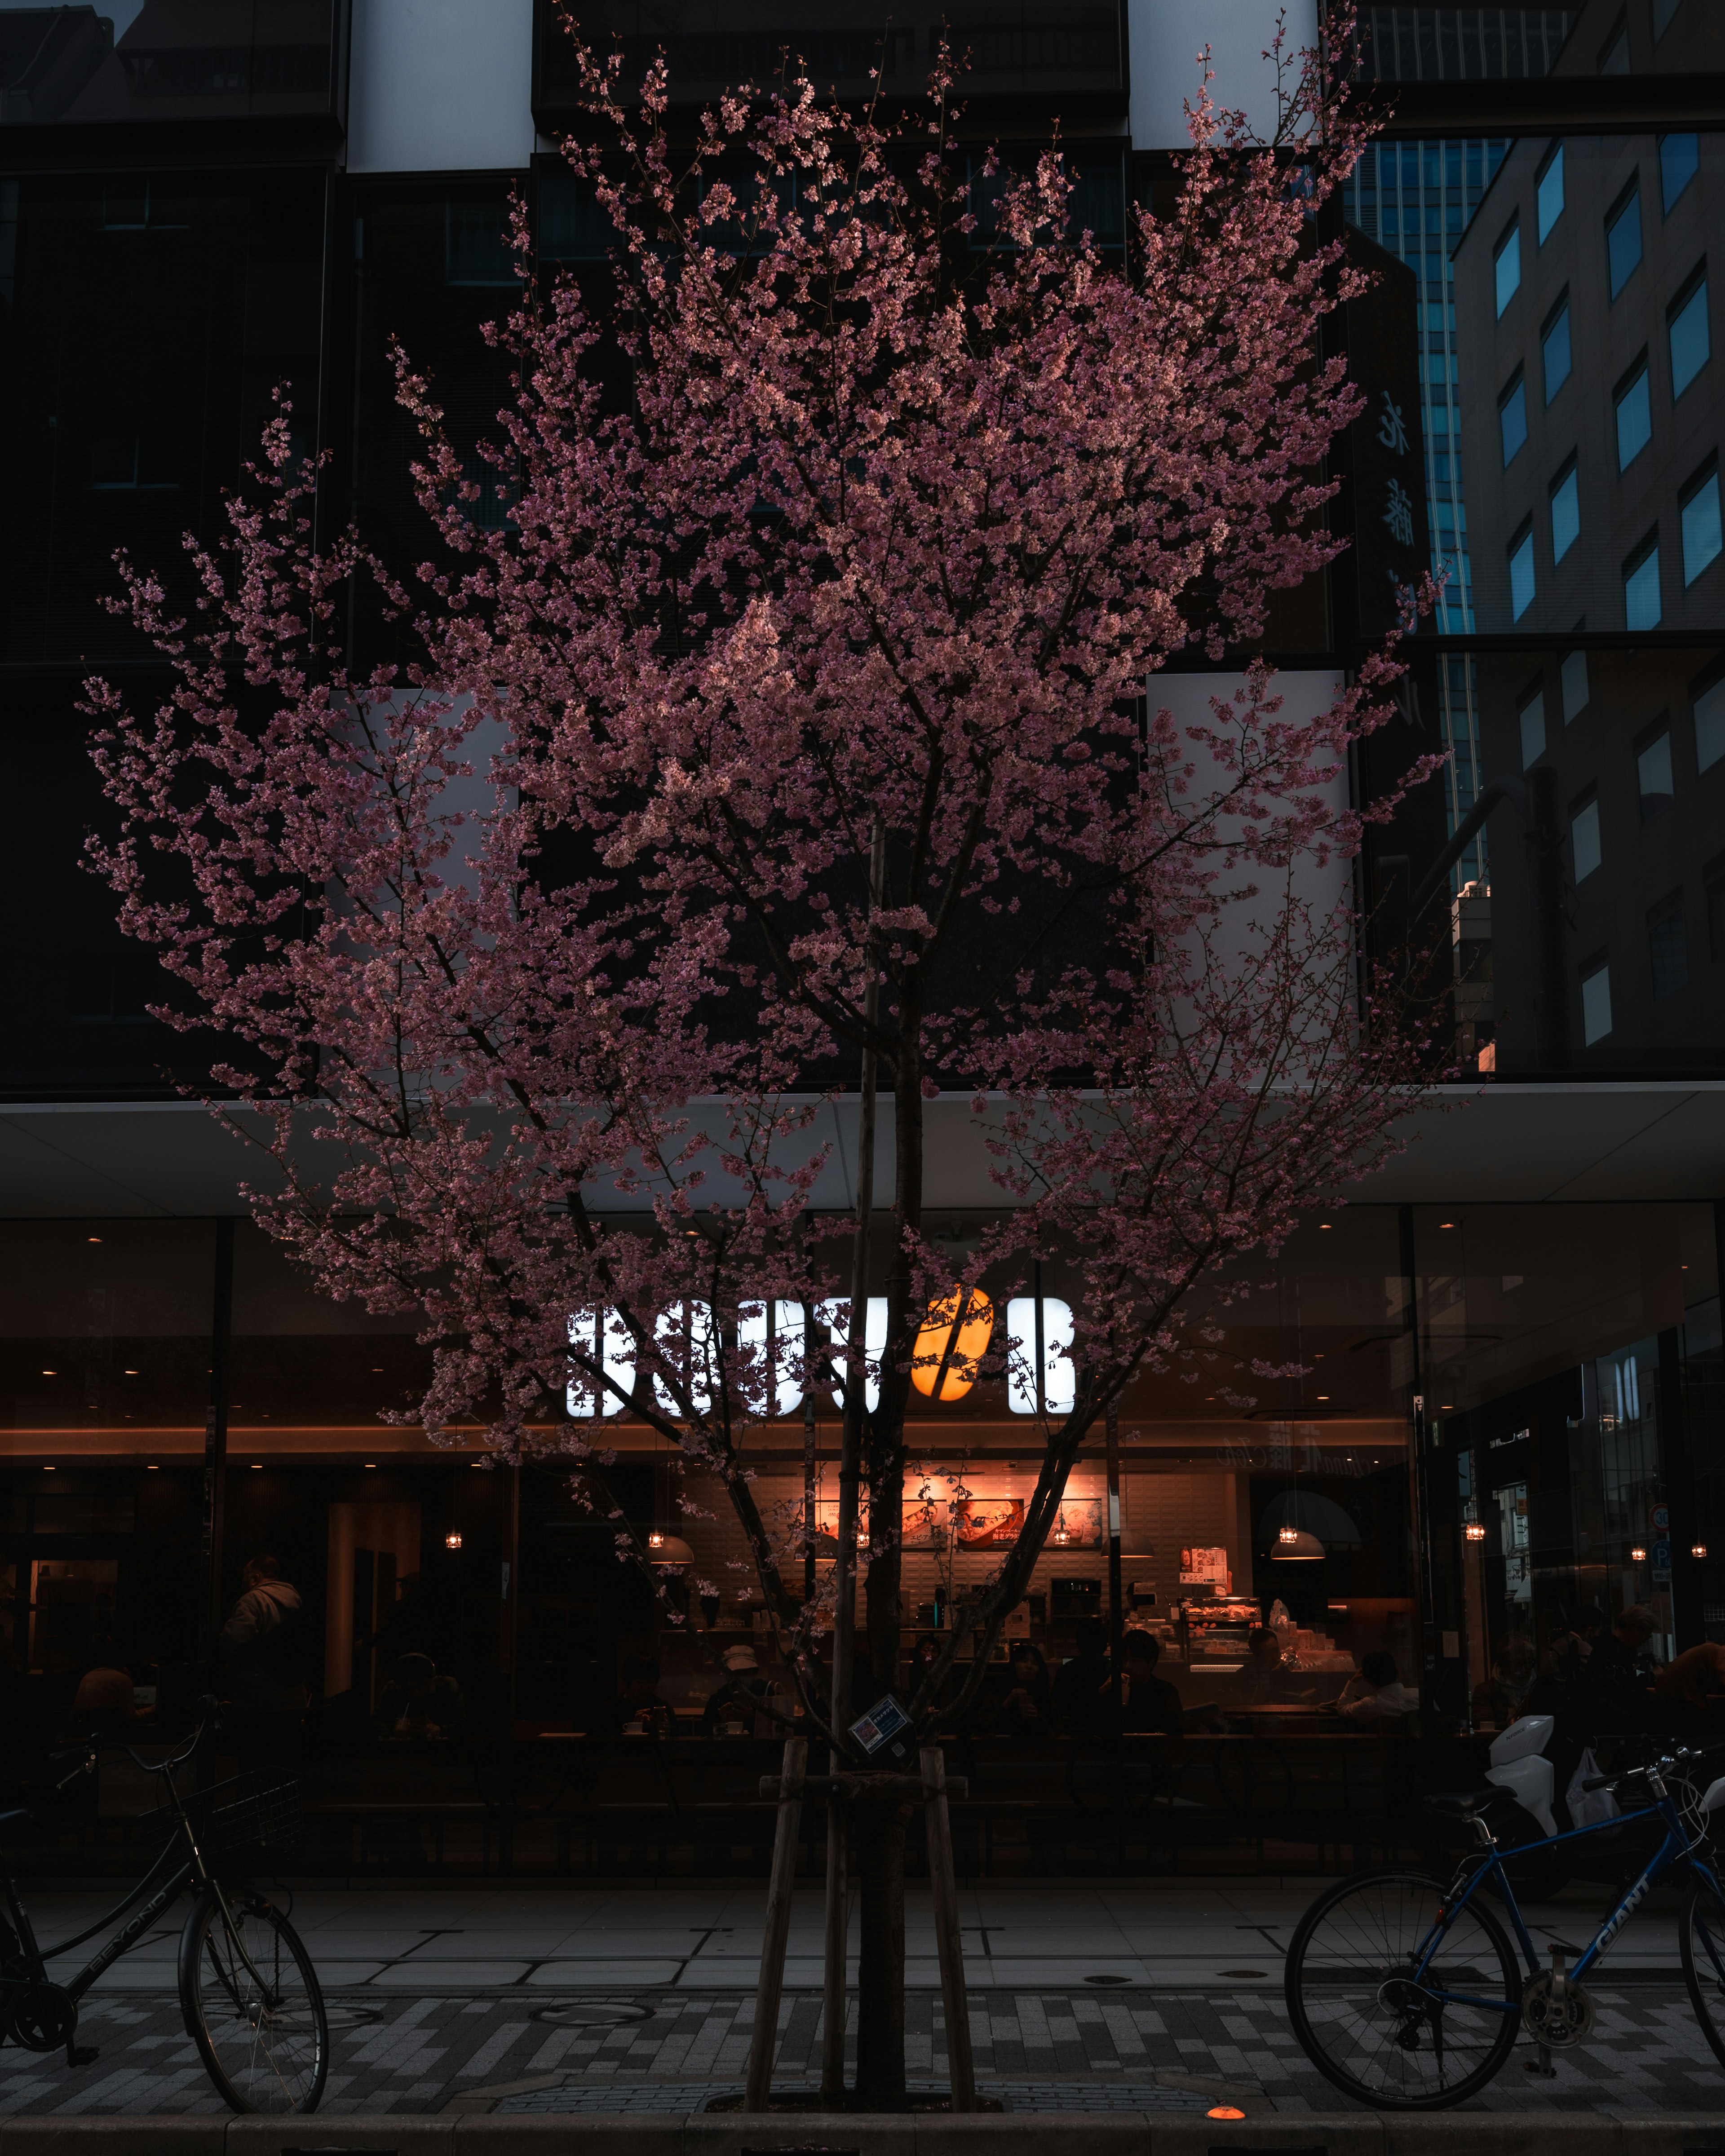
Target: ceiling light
(1475,1530)
(1296,1546)
(92,1238)
(1638,1555)
(452,1540)
(257,1467)
(1697,1549)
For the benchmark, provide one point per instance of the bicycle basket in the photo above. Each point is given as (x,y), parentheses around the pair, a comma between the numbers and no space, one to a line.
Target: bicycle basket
(252,1820)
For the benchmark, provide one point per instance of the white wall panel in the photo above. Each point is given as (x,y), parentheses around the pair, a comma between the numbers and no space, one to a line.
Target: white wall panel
(441,85)
(1165,36)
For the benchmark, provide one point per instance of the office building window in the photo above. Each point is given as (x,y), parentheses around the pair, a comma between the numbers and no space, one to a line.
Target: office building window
(1698,506)
(1595,1000)
(1634,415)
(1508,262)
(1663,11)
(1584,834)
(132,463)
(1641,605)
(1565,511)
(1554,348)
(1622,241)
(126,202)
(1575,689)
(1513,419)
(1679,161)
(1708,704)
(1521,572)
(1549,193)
(475,242)
(1712,888)
(1653,770)
(1691,337)
(1615,52)
(1530,715)
(1667,947)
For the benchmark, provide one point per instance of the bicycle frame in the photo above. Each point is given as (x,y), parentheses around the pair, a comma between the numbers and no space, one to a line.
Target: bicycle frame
(1675,1850)
(170,1875)
(181,1865)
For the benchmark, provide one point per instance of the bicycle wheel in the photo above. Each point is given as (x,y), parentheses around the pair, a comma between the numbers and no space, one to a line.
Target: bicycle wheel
(1363,2020)
(265,2044)
(1701,1943)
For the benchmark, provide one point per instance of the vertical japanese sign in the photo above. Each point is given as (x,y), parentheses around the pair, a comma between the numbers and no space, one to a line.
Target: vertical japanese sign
(1392,543)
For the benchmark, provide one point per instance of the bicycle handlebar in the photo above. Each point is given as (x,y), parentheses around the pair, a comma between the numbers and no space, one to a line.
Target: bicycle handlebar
(209,1718)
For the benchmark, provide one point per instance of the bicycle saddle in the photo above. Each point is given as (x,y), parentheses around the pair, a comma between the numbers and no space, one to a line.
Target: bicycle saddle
(1468,1803)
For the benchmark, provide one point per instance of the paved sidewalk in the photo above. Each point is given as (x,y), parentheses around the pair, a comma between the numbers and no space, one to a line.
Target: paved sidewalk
(1180,1934)
(1165,1997)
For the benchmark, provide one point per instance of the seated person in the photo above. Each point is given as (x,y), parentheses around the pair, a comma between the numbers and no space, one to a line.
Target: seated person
(1081,1688)
(924,1654)
(418,1701)
(732,1709)
(638,1705)
(1266,1678)
(1148,1701)
(1615,1688)
(1498,1699)
(106,1699)
(1377,1694)
(1027,1707)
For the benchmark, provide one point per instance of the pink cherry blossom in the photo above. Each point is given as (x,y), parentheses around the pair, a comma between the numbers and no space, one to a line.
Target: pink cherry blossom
(795,717)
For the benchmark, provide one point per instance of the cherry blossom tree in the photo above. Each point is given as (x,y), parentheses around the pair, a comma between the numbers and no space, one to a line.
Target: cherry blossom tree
(788,737)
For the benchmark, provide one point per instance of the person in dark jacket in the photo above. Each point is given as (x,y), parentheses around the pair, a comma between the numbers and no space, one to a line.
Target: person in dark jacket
(1148,1701)
(1082,1690)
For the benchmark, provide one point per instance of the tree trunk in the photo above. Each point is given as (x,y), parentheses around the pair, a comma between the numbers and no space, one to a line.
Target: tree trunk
(880,1961)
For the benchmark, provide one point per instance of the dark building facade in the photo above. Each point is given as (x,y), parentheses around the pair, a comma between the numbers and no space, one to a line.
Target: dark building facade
(1511,1399)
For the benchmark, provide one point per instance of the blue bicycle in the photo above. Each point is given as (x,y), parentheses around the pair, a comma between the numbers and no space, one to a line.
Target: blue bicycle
(1406,1993)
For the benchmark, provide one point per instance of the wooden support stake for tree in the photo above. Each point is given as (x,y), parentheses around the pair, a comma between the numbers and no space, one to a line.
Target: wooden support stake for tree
(832,2044)
(944,1885)
(780,1881)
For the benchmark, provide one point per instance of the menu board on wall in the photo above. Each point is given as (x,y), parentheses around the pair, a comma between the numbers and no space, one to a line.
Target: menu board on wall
(1205,1568)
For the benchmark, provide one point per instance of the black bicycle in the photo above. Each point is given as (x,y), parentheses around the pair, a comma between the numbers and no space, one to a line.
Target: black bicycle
(247,1991)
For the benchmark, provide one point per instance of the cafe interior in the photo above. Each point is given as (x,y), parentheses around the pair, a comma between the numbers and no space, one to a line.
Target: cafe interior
(1489,1410)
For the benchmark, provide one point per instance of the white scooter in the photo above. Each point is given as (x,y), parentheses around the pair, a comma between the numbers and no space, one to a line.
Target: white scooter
(1519,1765)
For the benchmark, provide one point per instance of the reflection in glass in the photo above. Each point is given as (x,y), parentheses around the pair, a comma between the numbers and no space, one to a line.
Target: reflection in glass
(1710,725)
(1622,241)
(1667,949)
(1513,419)
(1641,605)
(1690,341)
(1509,266)
(1549,193)
(134,60)
(1679,161)
(1554,349)
(1584,838)
(1565,513)
(1574,681)
(1595,1003)
(1531,717)
(1635,417)
(1653,775)
(1521,572)
(1699,511)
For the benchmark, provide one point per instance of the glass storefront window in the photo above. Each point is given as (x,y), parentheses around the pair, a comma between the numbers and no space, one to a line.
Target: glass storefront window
(1562,1348)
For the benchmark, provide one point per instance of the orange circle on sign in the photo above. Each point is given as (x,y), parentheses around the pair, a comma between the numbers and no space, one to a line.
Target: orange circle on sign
(940,1359)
